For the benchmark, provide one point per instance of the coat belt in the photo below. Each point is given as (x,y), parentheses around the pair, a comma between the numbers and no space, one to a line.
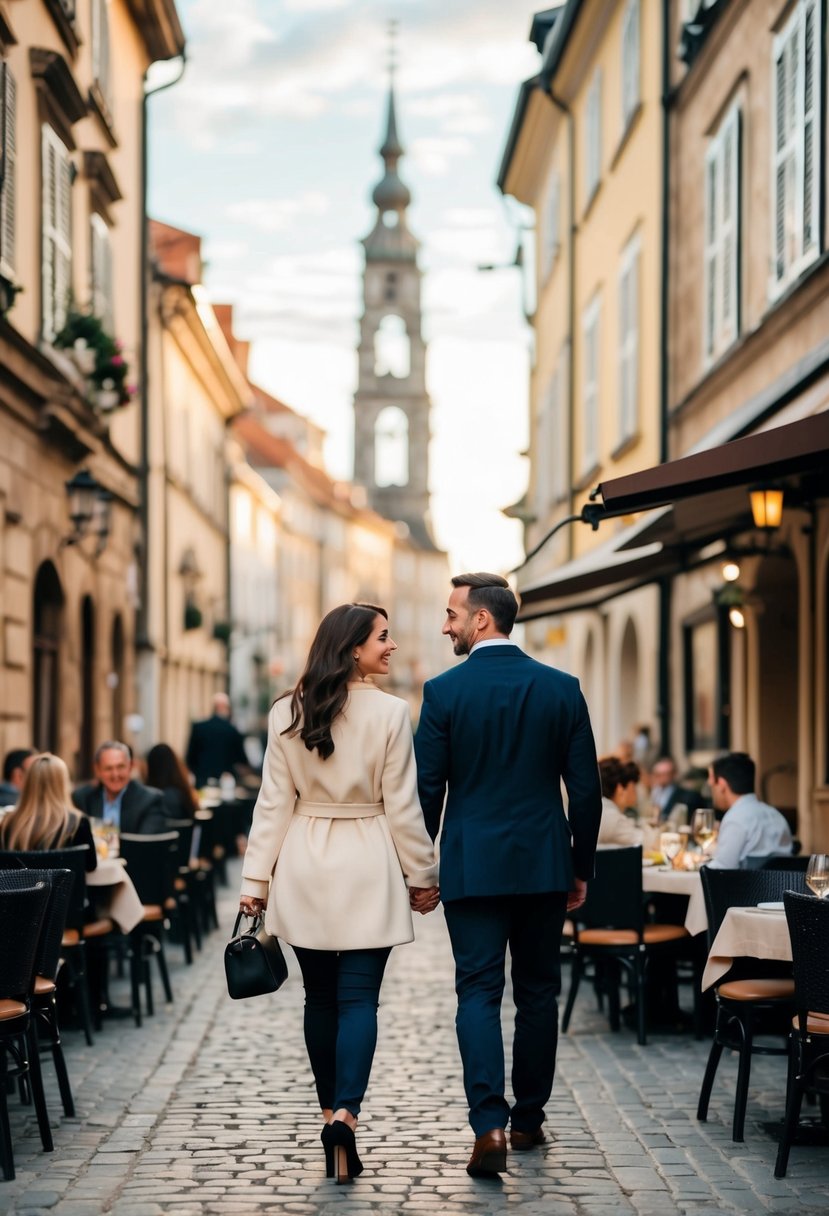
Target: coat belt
(338,810)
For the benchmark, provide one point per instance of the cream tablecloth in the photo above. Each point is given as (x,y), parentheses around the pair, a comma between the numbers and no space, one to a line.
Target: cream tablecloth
(114,895)
(679,882)
(754,932)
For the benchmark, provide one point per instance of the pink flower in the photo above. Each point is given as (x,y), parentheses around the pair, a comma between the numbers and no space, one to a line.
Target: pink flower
(132,389)
(117,361)
(118,344)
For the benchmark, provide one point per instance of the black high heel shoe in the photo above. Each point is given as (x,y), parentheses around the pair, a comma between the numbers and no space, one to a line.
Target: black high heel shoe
(341,1158)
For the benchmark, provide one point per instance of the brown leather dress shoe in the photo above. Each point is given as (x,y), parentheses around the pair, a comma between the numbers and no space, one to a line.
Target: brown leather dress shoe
(489,1156)
(519,1142)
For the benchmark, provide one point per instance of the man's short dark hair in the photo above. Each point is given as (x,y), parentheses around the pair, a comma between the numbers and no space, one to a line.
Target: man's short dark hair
(492,592)
(738,769)
(613,772)
(14,759)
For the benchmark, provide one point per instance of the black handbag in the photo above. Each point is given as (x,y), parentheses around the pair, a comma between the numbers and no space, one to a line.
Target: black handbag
(254,962)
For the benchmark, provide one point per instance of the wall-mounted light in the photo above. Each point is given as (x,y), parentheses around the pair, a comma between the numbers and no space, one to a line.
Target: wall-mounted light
(90,510)
(730,571)
(766,505)
(737,617)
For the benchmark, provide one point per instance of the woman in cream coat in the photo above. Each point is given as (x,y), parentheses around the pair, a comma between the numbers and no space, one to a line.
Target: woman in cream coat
(337,838)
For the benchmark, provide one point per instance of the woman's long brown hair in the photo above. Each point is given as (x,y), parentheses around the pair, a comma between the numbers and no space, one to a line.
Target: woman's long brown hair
(322,690)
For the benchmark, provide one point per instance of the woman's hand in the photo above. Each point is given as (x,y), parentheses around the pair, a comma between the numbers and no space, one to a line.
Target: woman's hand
(251,906)
(424,899)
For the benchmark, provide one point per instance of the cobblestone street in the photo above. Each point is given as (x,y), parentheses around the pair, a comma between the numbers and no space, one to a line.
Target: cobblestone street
(209,1108)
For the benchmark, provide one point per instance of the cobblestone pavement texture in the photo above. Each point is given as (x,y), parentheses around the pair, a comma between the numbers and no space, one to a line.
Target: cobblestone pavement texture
(209,1108)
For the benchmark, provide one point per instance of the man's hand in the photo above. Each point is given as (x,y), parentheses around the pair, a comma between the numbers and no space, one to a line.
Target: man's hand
(577,896)
(424,899)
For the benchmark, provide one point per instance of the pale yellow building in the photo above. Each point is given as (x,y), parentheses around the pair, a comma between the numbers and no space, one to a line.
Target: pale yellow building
(71,208)
(585,152)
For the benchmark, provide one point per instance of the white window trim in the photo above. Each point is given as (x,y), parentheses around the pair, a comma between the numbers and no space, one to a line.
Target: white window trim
(8,211)
(550,463)
(57,234)
(591,365)
(631,62)
(722,237)
(593,138)
(551,225)
(793,152)
(629,296)
(101,49)
(101,272)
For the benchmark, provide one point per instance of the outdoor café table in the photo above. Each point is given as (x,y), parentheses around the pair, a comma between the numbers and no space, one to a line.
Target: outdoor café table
(114,894)
(679,882)
(755,932)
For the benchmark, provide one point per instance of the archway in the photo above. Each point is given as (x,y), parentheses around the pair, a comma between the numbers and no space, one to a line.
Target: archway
(392,349)
(86,749)
(116,677)
(629,714)
(391,447)
(776,692)
(47,621)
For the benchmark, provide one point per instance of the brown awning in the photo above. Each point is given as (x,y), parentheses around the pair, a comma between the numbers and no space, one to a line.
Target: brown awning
(798,447)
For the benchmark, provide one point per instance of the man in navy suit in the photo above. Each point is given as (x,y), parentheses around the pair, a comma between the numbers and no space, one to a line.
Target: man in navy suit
(216,746)
(502,732)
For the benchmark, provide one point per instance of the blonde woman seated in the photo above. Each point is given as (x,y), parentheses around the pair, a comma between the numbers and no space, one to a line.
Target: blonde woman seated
(45,818)
(619,783)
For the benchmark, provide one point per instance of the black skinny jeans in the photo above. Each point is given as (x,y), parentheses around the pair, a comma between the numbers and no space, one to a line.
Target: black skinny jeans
(342,991)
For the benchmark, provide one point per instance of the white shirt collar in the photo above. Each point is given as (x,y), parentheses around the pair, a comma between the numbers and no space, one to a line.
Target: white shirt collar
(492,642)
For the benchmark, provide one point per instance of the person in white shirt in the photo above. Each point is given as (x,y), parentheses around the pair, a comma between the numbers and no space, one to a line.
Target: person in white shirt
(618,794)
(751,831)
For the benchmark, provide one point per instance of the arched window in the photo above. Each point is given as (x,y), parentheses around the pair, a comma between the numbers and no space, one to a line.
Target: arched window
(48,612)
(391,447)
(392,356)
(629,713)
(116,677)
(87,739)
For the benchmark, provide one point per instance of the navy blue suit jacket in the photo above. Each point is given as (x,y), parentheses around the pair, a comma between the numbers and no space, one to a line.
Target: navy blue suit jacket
(503,731)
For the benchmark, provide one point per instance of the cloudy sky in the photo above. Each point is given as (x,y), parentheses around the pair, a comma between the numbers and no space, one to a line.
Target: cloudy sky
(268,149)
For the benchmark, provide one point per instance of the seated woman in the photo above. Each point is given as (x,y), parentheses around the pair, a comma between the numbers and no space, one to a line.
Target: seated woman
(166,772)
(618,794)
(45,818)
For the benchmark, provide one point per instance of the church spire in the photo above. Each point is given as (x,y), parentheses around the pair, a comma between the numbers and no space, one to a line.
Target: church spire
(391,196)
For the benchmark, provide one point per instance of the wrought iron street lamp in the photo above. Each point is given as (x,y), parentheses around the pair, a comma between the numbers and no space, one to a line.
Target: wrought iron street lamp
(766,505)
(90,508)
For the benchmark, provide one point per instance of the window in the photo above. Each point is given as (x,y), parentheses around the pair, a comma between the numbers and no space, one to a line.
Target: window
(57,233)
(392,349)
(722,236)
(102,293)
(707,681)
(629,340)
(797,156)
(100,48)
(593,137)
(590,386)
(630,62)
(551,442)
(391,447)
(8,107)
(550,224)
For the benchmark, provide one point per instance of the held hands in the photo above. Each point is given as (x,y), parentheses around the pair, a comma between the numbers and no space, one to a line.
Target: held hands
(578,894)
(424,899)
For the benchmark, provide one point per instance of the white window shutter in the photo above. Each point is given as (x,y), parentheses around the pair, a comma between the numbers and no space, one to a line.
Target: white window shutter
(632,420)
(811,70)
(630,60)
(57,233)
(8,108)
(102,278)
(729,185)
(49,248)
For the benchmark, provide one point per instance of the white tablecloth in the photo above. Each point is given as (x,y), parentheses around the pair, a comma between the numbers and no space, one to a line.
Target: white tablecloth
(754,932)
(679,882)
(114,895)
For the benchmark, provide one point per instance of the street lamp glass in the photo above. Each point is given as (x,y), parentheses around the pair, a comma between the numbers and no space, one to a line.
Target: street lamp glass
(766,506)
(730,572)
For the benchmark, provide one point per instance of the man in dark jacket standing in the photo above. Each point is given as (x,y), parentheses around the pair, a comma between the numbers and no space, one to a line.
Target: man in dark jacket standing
(216,746)
(502,732)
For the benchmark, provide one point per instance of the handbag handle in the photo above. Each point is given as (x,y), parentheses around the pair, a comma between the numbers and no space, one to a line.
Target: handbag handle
(254,928)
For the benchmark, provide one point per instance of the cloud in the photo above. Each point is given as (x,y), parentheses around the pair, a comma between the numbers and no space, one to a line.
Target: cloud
(434,156)
(275,215)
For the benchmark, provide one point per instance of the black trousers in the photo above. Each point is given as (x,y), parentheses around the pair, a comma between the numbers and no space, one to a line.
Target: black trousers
(480,930)
(342,991)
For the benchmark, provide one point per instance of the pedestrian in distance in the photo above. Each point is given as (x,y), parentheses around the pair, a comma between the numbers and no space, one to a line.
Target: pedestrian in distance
(336,839)
(216,746)
(500,732)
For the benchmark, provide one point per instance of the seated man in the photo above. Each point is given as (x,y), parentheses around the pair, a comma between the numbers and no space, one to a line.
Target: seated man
(128,805)
(15,765)
(667,793)
(751,831)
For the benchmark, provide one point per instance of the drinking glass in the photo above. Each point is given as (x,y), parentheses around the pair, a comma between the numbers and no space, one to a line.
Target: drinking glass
(670,846)
(703,827)
(817,874)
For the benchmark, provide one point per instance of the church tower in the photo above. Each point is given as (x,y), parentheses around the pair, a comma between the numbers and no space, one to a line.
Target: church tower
(391,406)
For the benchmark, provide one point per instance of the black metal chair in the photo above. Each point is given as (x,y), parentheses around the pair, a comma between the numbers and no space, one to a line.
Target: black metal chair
(808,920)
(150,861)
(748,1001)
(21,914)
(81,930)
(47,964)
(610,929)
(182,904)
(205,869)
(798,863)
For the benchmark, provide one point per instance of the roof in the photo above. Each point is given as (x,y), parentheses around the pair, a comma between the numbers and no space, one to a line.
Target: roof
(176,252)
(525,91)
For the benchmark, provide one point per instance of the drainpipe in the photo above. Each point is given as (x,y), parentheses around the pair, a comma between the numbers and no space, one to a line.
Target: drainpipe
(571,301)
(142,639)
(663,697)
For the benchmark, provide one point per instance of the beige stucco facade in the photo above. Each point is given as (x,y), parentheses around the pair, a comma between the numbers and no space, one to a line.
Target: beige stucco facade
(68,610)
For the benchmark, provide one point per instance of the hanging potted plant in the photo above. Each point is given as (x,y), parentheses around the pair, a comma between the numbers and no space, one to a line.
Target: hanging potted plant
(99,358)
(192,616)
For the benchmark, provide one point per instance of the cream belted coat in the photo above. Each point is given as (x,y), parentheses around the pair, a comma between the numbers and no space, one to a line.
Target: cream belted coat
(338,841)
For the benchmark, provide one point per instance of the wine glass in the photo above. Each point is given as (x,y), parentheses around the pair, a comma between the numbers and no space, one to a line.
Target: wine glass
(670,846)
(703,827)
(817,874)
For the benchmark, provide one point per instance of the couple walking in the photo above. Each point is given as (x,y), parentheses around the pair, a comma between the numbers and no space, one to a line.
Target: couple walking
(341,850)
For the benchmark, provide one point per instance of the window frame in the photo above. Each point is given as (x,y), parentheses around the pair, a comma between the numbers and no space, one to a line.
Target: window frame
(593,138)
(551,224)
(631,62)
(591,338)
(101,271)
(56,229)
(723,236)
(628,349)
(8,190)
